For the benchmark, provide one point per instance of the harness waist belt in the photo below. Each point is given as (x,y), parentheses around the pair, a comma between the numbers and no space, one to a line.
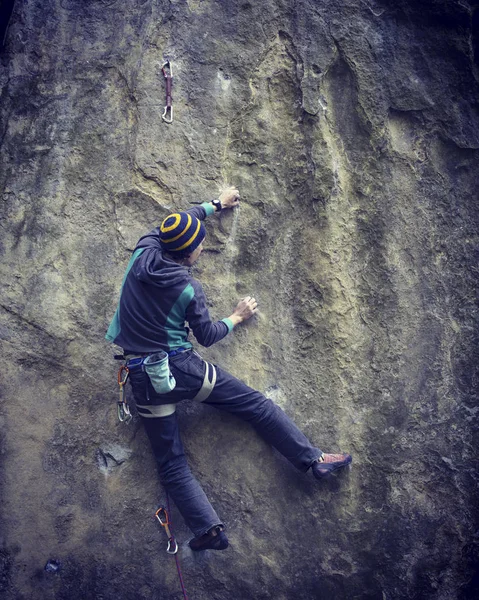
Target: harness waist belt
(132,355)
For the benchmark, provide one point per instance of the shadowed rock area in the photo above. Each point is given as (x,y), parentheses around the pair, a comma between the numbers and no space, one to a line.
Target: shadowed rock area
(351,128)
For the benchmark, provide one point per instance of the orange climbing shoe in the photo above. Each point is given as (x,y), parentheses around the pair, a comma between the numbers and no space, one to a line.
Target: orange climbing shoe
(328,463)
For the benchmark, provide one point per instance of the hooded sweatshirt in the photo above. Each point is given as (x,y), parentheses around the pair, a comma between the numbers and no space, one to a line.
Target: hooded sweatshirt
(158,295)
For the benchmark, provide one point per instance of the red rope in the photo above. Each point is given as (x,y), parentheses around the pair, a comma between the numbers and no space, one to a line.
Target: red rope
(178,568)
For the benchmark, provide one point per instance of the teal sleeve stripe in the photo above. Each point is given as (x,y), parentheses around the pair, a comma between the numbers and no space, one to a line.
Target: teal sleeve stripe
(114,329)
(229,323)
(175,323)
(209,208)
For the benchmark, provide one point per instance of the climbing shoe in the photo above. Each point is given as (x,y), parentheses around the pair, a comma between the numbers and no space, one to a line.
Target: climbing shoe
(328,463)
(214,539)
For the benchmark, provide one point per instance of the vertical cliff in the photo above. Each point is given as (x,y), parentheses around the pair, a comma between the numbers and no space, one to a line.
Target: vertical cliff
(352,131)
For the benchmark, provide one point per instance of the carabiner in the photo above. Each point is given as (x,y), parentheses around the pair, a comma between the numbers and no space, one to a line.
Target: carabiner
(167,64)
(157,515)
(165,113)
(170,549)
(124,414)
(123,375)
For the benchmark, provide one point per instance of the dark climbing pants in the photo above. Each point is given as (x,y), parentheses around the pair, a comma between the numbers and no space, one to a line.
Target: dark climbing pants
(229,394)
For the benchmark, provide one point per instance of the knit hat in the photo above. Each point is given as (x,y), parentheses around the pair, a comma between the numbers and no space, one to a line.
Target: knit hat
(181,233)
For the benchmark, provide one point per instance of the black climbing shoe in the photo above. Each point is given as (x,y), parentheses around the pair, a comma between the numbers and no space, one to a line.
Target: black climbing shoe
(328,463)
(214,539)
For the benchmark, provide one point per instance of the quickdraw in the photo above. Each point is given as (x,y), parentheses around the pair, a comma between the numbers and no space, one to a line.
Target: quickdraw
(162,516)
(167,71)
(172,543)
(124,414)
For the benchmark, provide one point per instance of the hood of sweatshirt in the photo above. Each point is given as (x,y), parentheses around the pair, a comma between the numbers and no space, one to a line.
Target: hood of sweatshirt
(155,268)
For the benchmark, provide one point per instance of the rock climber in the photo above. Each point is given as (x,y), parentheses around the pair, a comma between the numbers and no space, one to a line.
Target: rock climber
(158,297)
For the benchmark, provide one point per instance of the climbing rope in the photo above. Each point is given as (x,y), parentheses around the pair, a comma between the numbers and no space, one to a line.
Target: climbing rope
(167,71)
(172,548)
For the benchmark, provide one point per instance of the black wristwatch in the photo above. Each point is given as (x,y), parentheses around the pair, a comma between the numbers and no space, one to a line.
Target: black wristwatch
(217,205)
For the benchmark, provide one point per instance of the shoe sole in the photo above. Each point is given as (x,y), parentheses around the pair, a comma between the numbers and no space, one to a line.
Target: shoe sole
(331,468)
(218,542)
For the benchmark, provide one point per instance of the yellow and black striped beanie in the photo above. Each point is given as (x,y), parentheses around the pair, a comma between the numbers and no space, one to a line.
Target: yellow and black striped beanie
(181,233)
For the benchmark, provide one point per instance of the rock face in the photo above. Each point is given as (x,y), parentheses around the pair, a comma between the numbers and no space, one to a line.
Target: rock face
(352,131)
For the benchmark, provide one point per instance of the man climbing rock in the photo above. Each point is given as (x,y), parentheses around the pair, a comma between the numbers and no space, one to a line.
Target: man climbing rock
(158,297)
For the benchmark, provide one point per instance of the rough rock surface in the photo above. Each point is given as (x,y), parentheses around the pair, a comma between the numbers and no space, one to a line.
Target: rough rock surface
(351,128)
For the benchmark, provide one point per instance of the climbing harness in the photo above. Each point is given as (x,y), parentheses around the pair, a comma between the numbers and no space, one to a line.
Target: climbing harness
(124,414)
(167,71)
(162,516)
(161,410)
